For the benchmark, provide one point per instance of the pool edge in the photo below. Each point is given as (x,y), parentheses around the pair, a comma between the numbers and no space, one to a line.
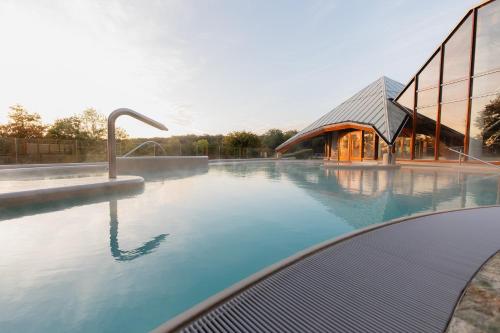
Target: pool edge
(183,319)
(44,195)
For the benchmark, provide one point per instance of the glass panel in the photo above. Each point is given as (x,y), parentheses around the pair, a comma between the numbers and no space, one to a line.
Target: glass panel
(457,53)
(368,145)
(382,148)
(487,55)
(356,145)
(426,133)
(486,84)
(452,129)
(403,142)
(455,91)
(406,99)
(430,74)
(485,128)
(427,97)
(344,147)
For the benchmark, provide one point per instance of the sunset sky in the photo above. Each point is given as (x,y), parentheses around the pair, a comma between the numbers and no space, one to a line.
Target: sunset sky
(211,66)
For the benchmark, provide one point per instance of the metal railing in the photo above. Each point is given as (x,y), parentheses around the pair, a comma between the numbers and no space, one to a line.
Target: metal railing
(111,133)
(154,143)
(472,157)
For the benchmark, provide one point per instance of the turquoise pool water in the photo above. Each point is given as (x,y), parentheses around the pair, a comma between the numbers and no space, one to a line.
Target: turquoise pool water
(128,263)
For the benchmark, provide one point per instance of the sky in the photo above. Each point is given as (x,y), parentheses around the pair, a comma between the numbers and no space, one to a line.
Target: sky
(210,66)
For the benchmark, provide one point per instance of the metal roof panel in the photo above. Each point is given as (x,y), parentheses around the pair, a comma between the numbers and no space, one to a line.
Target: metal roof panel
(372,105)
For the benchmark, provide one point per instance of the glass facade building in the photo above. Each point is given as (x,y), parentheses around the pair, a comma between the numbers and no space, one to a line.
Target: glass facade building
(450,106)
(455,96)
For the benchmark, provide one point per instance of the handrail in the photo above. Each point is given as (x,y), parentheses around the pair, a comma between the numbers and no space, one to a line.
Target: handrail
(143,144)
(474,158)
(111,133)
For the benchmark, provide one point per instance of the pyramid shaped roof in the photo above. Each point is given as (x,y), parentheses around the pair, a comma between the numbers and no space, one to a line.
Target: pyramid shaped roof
(371,106)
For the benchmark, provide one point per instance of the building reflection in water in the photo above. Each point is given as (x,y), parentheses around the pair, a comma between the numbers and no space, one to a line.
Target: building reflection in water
(365,196)
(127,255)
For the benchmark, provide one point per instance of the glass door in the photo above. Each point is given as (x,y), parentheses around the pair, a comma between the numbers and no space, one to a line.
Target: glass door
(344,147)
(356,145)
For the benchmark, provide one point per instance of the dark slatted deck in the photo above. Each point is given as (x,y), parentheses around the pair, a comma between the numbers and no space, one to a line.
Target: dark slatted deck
(402,277)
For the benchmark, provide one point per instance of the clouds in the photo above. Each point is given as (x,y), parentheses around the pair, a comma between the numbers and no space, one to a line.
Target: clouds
(61,59)
(209,66)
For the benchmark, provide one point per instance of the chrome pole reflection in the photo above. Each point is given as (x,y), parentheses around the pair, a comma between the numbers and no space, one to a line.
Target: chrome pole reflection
(127,255)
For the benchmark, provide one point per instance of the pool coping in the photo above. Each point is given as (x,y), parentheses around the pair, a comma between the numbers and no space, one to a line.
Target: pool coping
(184,318)
(466,288)
(94,186)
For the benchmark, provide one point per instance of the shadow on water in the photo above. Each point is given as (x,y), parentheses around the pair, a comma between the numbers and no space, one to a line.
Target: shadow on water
(7,213)
(187,172)
(127,255)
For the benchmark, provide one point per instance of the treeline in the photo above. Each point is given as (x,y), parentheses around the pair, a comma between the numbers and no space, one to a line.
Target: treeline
(235,144)
(91,127)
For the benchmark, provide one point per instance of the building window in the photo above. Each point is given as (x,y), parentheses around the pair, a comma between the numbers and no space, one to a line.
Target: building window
(383,148)
(452,129)
(457,53)
(407,97)
(425,136)
(429,76)
(486,85)
(403,142)
(484,139)
(368,145)
(427,97)
(485,127)
(487,56)
(455,91)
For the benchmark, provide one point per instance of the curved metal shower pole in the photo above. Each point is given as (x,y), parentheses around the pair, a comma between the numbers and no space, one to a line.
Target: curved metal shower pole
(111,133)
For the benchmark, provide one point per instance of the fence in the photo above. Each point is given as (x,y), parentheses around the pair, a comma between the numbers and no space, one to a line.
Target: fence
(21,151)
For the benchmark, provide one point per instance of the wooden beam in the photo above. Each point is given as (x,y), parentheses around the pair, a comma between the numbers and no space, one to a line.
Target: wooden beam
(323,130)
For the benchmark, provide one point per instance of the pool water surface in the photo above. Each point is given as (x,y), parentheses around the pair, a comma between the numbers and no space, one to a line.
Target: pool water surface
(129,263)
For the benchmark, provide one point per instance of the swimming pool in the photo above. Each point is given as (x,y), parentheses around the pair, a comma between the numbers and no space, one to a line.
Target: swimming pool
(128,263)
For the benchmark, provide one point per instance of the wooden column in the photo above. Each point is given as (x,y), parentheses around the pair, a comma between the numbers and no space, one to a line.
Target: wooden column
(414,123)
(471,73)
(438,117)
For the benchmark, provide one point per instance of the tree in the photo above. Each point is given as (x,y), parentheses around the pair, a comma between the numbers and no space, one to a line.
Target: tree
(242,141)
(273,138)
(120,133)
(288,134)
(201,146)
(66,128)
(489,121)
(23,124)
(173,146)
(89,125)
(93,124)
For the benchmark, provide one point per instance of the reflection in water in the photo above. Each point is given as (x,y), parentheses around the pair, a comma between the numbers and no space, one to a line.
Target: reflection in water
(229,223)
(388,194)
(176,173)
(365,196)
(116,252)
